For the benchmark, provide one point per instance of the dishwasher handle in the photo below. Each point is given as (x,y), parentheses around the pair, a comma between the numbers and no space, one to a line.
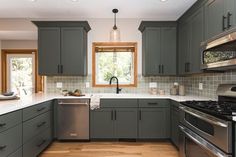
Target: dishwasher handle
(73,103)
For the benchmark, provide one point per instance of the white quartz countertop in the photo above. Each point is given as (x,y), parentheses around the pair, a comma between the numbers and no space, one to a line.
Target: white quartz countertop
(27,101)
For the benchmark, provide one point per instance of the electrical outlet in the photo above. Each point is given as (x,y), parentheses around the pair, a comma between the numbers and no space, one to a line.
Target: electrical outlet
(200,86)
(59,85)
(87,85)
(152,85)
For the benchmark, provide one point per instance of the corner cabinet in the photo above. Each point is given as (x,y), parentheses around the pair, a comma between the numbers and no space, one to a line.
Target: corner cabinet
(191,34)
(158,48)
(62,47)
(220,16)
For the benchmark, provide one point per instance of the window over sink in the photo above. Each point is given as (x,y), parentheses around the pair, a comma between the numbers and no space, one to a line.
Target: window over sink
(114,59)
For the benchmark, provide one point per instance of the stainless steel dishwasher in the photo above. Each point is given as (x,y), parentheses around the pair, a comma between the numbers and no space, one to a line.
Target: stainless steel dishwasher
(73,119)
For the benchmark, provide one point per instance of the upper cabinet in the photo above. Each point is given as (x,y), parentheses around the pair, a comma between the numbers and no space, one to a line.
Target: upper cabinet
(158,48)
(219,16)
(62,47)
(191,34)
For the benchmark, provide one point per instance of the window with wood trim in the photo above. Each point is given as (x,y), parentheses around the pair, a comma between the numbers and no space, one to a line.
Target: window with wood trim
(20,71)
(114,59)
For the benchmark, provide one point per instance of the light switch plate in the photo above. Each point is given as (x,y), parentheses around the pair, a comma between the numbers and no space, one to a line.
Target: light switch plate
(59,85)
(200,86)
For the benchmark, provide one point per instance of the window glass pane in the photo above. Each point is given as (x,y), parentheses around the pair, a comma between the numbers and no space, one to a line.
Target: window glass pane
(119,64)
(21,74)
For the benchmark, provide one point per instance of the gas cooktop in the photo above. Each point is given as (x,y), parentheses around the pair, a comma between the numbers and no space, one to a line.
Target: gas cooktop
(225,110)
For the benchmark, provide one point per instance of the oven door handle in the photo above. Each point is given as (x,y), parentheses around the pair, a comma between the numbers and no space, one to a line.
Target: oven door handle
(209,120)
(203,143)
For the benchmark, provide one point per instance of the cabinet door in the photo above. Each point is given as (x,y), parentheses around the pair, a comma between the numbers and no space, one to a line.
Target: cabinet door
(48,50)
(197,36)
(151,51)
(184,46)
(126,123)
(101,124)
(154,123)
(175,124)
(230,12)
(168,50)
(215,19)
(73,51)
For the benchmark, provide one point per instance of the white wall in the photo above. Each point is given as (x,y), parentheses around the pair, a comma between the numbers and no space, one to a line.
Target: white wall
(19,44)
(101,30)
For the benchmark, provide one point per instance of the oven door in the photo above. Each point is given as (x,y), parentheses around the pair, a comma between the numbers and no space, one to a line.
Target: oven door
(192,145)
(214,130)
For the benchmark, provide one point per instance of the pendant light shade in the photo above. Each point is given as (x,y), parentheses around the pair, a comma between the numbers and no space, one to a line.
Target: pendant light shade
(115,32)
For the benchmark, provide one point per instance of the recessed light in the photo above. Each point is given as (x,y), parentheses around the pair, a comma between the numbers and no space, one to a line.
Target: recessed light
(32,0)
(163,0)
(74,0)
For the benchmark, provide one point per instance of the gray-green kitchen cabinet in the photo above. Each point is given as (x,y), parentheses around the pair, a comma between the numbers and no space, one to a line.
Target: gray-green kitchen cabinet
(154,123)
(113,123)
(158,48)
(175,123)
(220,16)
(151,59)
(101,124)
(62,47)
(49,50)
(191,34)
(126,124)
(168,50)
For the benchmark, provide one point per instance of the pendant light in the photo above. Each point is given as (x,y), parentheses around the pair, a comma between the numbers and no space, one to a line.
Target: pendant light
(115,32)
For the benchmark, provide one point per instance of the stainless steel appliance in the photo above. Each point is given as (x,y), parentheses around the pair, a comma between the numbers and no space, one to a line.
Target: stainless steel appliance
(207,127)
(219,53)
(73,119)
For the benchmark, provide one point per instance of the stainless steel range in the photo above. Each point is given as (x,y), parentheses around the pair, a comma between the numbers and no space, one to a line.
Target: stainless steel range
(207,127)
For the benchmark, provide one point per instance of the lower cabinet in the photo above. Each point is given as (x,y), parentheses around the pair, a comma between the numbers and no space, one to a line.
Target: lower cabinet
(154,123)
(175,123)
(148,119)
(125,123)
(113,123)
(10,140)
(36,145)
(18,153)
(101,124)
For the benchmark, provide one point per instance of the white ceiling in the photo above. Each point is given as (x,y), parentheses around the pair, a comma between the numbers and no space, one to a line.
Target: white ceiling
(145,9)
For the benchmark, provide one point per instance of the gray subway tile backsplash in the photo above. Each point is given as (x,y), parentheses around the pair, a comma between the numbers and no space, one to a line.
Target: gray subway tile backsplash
(210,83)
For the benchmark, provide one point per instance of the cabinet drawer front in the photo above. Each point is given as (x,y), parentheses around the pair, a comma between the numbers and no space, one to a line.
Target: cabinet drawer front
(36,110)
(9,120)
(153,103)
(18,153)
(36,125)
(10,140)
(119,103)
(36,145)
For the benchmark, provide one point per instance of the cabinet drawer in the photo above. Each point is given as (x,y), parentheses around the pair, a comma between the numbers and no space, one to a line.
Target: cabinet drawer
(18,153)
(36,145)
(36,125)
(10,140)
(119,103)
(153,103)
(36,110)
(9,120)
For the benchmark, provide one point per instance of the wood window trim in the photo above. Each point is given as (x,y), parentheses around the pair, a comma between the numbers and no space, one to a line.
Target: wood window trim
(39,85)
(114,44)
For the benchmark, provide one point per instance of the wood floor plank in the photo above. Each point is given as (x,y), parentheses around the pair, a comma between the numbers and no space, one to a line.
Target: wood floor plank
(110,149)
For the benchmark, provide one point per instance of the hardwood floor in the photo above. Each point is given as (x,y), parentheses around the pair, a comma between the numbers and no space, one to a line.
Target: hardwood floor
(111,149)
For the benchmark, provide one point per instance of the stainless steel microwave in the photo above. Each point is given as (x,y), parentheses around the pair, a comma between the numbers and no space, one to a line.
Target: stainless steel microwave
(219,53)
